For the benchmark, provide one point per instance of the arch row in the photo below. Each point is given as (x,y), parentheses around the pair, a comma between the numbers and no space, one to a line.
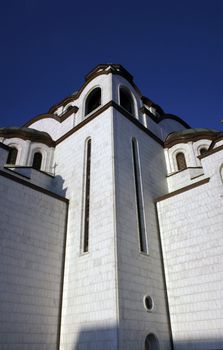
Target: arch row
(93,100)
(36,155)
(182,156)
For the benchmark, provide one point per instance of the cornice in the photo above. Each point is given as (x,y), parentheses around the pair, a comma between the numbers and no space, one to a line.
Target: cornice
(183,189)
(212,151)
(100,111)
(146,101)
(217,139)
(18,179)
(5,147)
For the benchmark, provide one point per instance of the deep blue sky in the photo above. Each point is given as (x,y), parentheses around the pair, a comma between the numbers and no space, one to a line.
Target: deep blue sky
(174,50)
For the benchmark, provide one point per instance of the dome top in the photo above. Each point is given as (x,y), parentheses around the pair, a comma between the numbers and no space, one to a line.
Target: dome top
(27,134)
(187,135)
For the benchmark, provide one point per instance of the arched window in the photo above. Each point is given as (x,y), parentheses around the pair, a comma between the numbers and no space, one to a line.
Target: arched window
(12,155)
(126,100)
(203,150)
(37,161)
(181,161)
(93,100)
(151,342)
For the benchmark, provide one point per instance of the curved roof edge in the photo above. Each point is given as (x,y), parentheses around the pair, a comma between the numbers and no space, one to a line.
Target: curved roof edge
(163,115)
(51,116)
(176,118)
(100,69)
(27,134)
(193,135)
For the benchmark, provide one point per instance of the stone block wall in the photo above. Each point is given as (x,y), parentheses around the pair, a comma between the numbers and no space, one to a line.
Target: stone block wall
(191,225)
(32,233)
(139,274)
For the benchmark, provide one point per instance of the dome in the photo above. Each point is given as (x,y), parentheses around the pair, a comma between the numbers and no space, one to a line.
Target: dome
(27,134)
(187,135)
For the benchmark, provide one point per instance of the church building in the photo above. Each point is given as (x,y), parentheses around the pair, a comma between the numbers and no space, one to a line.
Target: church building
(111,225)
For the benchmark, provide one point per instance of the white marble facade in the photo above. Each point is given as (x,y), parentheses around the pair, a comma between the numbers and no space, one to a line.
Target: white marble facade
(111,225)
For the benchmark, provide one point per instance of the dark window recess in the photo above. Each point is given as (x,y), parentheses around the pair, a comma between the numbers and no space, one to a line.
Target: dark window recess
(151,342)
(139,199)
(126,100)
(93,101)
(37,161)
(148,303)
(12,155)
(203,150)
(181,161)
(87,198)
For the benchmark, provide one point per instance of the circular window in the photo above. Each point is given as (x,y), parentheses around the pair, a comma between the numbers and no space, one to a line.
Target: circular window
(148,303)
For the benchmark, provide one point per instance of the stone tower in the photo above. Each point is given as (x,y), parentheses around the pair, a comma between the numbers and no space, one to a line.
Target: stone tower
(104,158)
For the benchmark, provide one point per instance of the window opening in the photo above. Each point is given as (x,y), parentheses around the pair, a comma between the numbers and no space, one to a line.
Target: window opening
(12,155)
(126,100)
(148,303)
(181,161)
(87,198)
(151,342)
(203,150)
(37,161)
(139,198)
(93,101)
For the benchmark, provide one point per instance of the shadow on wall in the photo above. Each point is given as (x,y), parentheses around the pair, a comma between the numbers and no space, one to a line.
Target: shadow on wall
(58,186)
(199,344)
(103,338)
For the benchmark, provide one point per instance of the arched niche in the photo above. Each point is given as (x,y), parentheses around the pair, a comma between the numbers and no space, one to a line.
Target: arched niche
(203,150)
(126,100)
(37,160)
(93,100)
(12,155)
(151,342)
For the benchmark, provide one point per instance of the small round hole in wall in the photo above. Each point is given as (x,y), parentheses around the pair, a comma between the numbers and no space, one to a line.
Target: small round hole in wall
(148,303)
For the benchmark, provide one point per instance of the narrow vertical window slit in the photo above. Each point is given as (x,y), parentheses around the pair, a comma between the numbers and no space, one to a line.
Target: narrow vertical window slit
(87,197)
(139,198)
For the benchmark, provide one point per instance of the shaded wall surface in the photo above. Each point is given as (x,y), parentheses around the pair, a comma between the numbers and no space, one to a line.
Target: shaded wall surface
(191,226)
(139,274)
(89,295)
(32,230)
